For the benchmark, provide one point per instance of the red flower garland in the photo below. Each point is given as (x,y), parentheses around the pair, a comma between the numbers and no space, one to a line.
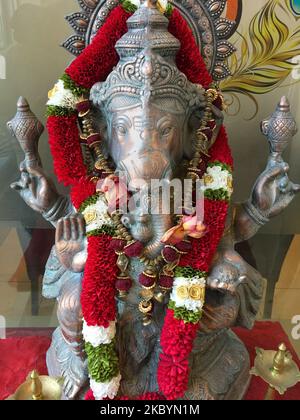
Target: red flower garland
(82,190)
(98,296)
(189,60)
(177,338)
(97,60)
(65,149)
(98,304)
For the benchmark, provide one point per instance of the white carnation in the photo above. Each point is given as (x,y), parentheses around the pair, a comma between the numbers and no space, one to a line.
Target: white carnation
(101,206)
(62,97)
(106,390)
(97,336)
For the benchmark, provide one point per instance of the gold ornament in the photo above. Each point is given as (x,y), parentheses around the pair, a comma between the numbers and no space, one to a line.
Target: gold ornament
(145,307)
(147,294)
(147,320)
(212,94)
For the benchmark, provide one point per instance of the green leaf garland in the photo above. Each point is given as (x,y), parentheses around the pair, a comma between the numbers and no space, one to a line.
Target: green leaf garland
(103,362)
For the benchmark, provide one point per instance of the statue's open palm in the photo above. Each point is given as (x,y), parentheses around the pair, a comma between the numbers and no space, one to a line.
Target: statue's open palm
(70,242)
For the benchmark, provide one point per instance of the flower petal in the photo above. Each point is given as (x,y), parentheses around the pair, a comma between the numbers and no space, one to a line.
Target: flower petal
(174,235)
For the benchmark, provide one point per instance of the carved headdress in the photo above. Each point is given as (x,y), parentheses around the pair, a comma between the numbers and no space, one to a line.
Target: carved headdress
(147,71)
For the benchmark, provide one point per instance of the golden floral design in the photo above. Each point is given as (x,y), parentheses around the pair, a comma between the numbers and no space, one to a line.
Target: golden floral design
(197,292)
(90,216)
(194,292)
(208,179)
(264,54)
(183,292)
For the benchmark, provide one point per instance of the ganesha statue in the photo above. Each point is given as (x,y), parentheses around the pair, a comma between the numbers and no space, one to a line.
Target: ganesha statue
(147,280)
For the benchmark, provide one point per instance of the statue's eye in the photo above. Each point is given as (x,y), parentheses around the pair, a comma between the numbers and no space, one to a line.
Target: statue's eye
(121,130)
(166,131)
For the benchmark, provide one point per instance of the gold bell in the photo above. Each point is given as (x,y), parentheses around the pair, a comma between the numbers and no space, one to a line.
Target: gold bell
(147,320)
(159,297)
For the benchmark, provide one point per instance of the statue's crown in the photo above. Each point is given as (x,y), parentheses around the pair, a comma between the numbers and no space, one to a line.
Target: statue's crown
(147,70)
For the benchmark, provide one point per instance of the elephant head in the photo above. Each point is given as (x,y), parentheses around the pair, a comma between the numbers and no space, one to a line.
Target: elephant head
(151,111)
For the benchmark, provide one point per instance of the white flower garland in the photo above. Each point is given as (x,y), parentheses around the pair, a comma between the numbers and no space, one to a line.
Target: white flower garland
(96,216)
(62,97)
(97,336)
(106,390)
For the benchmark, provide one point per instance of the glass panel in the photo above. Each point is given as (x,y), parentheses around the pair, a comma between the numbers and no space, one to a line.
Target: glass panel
(258,81)
(31,59)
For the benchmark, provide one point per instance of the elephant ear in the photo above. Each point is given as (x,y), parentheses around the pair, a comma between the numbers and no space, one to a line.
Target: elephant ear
(193,124)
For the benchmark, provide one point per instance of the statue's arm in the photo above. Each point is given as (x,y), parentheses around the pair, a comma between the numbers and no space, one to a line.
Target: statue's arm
(39,192)
(271,195)
(34,186)
(62,207)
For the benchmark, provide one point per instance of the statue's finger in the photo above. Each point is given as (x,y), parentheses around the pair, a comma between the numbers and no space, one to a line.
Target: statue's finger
(81,226)
(25,178)
(32,185)
(74,228)
(67,229)
(22,184)
(22,166)
(296,188)
(59,234)
(16,186)
(273,173)
(36,171)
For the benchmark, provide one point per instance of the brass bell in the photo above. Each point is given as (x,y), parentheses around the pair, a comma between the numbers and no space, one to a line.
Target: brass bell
(159,297)
(147,320)
(39,388)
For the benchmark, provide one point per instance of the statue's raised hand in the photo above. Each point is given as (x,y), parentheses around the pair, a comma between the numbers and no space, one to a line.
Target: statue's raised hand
(274,191)
(36,189)
(70,242)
